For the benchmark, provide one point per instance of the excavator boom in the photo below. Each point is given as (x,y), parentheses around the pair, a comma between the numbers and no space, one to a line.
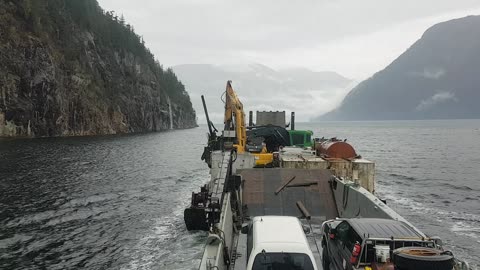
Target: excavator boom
(235,118)
(235,121)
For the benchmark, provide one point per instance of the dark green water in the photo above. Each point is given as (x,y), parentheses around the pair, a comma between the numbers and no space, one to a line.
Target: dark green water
(117,202)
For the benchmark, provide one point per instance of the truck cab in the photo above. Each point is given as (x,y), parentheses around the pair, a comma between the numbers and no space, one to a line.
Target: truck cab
(301,138)
(277,242)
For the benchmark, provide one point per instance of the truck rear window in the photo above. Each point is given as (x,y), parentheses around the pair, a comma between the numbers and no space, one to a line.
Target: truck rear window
(282,261)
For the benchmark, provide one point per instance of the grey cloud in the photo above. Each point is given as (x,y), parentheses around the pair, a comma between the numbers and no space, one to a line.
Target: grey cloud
(438,98)
(430,73)
(214,31)
(261,24)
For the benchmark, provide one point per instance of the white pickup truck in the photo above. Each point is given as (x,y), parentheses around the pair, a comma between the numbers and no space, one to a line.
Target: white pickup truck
(277,242)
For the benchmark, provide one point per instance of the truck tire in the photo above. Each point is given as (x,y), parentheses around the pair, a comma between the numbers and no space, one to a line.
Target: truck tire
(411,258)
(325,259)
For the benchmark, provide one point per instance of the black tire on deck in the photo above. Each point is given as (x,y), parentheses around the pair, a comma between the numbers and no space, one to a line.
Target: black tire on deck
(325,259)
(412,258)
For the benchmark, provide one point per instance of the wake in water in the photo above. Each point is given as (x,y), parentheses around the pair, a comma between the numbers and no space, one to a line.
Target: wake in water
(167,244)
(460,230)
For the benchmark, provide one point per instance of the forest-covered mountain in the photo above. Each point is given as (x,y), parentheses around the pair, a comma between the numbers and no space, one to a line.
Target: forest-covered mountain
(438,77)
(70,68)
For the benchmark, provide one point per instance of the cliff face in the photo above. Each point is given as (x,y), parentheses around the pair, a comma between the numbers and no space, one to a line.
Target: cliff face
(67,68)
(437,77)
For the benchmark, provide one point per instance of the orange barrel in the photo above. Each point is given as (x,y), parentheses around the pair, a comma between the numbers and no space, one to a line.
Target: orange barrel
(335,149)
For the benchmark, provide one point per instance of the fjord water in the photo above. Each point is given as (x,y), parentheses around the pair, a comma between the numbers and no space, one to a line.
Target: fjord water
(116,202)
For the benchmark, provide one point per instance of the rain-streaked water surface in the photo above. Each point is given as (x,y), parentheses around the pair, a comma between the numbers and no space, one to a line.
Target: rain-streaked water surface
(116,202)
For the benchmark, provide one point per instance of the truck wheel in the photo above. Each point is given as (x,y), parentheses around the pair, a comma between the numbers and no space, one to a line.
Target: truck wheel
(411,258)
(325,259)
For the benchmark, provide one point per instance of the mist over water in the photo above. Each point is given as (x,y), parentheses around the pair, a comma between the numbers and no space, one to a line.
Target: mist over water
(117,202)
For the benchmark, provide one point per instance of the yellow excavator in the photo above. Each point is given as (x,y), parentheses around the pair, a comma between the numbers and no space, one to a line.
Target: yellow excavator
(234,121)
(259,141)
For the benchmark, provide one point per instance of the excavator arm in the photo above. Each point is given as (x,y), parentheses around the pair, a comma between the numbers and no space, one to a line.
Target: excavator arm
(235,121)
(235,118)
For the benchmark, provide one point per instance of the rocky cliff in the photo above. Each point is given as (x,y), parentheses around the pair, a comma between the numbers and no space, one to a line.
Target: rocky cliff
(438,77)
(69,68)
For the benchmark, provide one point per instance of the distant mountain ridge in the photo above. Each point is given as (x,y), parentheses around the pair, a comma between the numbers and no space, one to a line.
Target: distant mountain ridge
(261,87)
(438,77)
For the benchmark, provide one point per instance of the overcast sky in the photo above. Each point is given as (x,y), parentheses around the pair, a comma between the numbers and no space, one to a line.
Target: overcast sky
(354,38)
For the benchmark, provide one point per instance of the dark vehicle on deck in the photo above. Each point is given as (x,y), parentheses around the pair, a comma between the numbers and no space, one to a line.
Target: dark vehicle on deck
(371,243)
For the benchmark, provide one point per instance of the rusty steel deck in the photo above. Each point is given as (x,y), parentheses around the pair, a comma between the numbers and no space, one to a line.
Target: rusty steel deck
(311,187)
